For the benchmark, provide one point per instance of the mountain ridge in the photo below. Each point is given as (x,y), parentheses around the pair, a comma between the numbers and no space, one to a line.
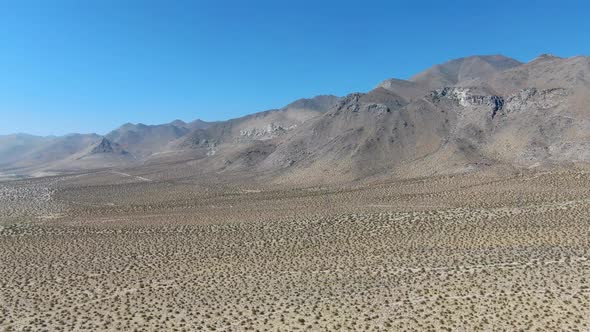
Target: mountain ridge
(477,110)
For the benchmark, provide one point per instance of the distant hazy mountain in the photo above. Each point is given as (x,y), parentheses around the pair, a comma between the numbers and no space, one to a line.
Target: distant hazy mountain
(23,150)
(13,147)
(462,115)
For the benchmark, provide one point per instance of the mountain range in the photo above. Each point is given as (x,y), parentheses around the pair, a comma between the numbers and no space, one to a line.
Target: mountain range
(468,114)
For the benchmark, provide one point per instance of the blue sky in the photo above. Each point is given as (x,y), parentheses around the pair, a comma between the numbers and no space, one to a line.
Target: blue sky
(90,66)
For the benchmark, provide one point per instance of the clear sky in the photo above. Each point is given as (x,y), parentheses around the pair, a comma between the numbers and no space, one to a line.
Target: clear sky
(92,65)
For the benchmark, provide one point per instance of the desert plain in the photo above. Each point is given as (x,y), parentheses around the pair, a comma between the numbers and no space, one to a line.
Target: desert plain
(120,251)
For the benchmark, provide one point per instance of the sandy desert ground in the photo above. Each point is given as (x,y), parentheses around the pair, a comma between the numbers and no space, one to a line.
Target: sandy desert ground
(112,251)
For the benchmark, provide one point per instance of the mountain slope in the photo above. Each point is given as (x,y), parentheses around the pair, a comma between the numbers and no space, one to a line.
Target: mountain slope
(483,117)
(456,71)
(144,140)
(260,126)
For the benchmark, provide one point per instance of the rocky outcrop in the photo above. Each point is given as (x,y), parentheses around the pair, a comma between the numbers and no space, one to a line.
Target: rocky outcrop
(467,98)
(105,146)
(355,103)
(269,131)
(533,98)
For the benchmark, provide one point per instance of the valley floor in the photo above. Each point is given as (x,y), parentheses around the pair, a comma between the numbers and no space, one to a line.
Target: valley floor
(119,252)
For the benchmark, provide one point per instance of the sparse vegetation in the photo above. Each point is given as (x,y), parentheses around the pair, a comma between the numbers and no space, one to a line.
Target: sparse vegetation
(449,253)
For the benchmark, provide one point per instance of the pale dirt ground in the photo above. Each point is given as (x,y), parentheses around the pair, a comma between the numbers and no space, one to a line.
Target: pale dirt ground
(118,252)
